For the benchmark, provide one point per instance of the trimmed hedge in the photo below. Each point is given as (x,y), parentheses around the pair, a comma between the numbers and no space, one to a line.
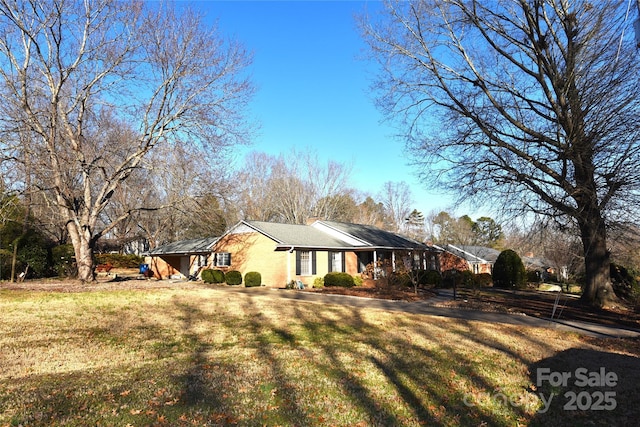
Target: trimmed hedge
(119,260)
(212,276)
(207,275)
(233,278)
(342,280)
(252,278)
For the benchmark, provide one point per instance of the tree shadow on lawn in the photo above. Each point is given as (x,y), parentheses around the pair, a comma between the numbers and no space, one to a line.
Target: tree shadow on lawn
(329,365)
(415,385)
(411,385)
(335,360)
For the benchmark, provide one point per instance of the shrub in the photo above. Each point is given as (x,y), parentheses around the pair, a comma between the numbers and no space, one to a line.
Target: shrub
(432,277)
(451,278)
(207,275)
(534,276)
(212,276)
(428,277)
(358,280)
(508,271)
(399,279)
(33,252)
(119,260)
(483,280)
(466,278)
(623,282)
(63,260)
(318,282)
(343,280)
(252,278)
(218,276)
(233,277)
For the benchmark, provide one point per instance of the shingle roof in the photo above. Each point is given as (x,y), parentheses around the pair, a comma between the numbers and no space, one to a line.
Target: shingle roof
(375,237)
(473,253)
(297,235)
(192,246)
(354,236)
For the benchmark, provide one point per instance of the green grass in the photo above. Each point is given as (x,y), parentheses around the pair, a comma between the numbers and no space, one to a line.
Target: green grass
(213,357)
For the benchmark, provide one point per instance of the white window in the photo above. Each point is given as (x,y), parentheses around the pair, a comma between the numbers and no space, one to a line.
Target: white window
(223,259)
(336,261)
(305,263)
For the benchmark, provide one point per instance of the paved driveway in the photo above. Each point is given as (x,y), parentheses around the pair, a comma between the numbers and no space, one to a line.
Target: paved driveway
(428,308)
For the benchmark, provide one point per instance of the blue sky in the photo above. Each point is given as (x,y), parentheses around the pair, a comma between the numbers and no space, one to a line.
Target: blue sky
(313,88)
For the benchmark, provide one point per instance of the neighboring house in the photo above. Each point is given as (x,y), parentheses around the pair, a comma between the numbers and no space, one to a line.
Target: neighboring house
(180,259)
(542,267)
(285,252)
(136,246)
(477,259)
(480,259)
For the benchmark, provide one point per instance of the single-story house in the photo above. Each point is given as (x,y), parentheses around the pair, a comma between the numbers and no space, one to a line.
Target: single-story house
(477,259)
(282,253)
(542,266)
(181,259)
(480,259)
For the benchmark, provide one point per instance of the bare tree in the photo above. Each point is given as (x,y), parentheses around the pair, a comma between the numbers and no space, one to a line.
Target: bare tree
(292,188)
(397,200)
(157,75)
(529,104)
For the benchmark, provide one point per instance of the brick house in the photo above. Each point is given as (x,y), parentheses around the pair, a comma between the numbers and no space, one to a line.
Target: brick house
(477,259)
(285,252)
(180,259)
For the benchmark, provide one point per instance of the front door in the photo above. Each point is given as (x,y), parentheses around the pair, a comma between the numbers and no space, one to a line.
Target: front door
(184,266)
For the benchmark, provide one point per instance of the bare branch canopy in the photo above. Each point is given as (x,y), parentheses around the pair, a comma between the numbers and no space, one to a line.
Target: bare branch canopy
(529,103)
(92,87)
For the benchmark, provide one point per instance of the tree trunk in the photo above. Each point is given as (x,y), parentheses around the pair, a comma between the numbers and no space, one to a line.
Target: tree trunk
(14,259)
(598,290)
(83,248)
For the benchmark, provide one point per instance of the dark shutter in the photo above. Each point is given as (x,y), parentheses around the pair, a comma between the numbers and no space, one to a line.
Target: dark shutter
(344,265)
(297,263)
(329,255)
(313,262)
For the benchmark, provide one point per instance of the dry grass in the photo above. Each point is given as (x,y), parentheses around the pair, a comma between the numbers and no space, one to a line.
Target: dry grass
(200,356)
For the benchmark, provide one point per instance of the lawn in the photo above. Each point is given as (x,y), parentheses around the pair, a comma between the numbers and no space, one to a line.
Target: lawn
(211,356)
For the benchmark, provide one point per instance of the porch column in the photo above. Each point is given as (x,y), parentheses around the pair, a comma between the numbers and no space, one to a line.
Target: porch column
(375,265)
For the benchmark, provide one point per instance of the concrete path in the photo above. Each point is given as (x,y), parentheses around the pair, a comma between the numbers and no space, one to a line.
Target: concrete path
(430,308)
